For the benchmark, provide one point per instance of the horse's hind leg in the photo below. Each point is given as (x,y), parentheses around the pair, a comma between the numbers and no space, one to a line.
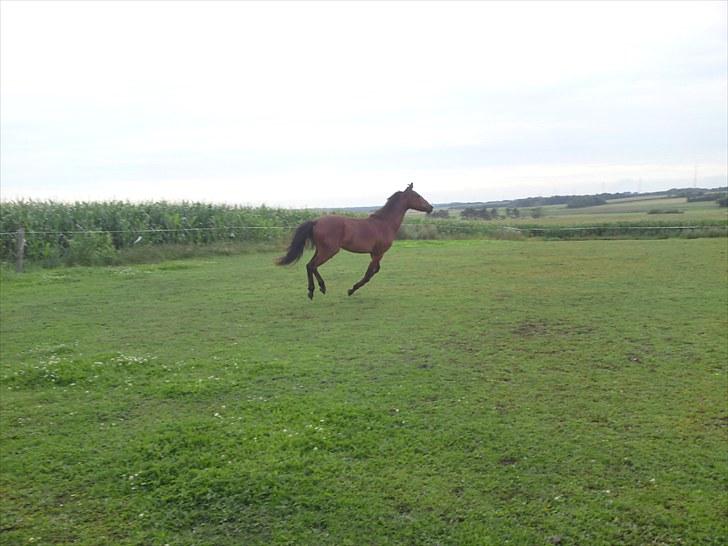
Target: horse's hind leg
(322,255)
(309,273)
(371,271)
(312,271)
(320,280)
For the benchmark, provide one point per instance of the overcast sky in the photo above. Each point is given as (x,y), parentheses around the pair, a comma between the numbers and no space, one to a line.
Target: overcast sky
(337,104)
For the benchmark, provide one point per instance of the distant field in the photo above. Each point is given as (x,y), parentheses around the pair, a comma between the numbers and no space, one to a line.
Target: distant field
(474,393)
(631,218)
(623,210)
(634,209)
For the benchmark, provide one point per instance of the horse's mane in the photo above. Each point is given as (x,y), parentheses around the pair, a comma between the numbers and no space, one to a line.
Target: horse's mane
(389,205)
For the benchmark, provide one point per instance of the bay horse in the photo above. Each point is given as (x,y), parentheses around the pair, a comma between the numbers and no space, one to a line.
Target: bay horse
(372,235)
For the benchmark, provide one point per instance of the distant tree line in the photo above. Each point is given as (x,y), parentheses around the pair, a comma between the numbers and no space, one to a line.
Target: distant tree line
(698,194)
(598,199)
(586,201)
(568,199)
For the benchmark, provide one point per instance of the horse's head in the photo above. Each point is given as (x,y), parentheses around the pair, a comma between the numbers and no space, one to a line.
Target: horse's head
(415,201)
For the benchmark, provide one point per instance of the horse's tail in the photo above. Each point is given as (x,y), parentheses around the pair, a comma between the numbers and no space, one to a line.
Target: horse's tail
(303,234)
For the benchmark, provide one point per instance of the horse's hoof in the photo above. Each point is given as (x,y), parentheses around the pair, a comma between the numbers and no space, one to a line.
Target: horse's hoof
(323,290)
(350,291)
(310,294)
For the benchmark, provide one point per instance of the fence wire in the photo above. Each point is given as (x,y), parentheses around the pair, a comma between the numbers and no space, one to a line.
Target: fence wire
(135,231)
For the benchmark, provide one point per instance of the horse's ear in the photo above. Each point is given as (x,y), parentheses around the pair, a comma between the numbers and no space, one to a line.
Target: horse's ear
(409,188)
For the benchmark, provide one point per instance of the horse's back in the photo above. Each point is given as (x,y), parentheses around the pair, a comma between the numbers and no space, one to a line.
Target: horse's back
(329,229)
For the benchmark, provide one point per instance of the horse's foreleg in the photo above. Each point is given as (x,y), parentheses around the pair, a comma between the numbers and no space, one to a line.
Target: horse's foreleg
(371,271)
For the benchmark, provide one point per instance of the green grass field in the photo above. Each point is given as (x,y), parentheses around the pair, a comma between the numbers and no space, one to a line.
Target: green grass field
(475,392)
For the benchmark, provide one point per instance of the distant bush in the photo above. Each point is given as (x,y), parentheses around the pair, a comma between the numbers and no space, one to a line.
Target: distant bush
(443,213)
(484,213)
(723,202)
(474,213)
(665,211)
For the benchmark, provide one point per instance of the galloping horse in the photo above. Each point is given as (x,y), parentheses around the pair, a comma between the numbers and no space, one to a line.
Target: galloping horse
(372,235)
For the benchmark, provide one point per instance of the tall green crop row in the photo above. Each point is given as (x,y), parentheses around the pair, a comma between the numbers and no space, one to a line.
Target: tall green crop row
(55,231)
(107,232)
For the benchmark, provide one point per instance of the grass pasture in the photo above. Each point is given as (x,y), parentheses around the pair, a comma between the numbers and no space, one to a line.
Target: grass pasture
(475,392)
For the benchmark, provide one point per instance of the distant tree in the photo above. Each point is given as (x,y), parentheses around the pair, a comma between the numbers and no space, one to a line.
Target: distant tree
(494,213)
(476,213)
(537,212)
(443,213)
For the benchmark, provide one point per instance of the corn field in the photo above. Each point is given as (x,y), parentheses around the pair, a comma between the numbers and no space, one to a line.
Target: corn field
(57,231)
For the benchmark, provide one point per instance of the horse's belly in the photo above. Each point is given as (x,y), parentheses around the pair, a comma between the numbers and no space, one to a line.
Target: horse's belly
(358,248)
(359,237)
(358,242)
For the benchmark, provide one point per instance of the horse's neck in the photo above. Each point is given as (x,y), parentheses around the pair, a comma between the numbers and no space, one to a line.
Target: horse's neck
(395,216)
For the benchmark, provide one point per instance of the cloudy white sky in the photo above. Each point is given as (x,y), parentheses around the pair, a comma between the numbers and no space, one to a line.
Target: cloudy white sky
(337,104)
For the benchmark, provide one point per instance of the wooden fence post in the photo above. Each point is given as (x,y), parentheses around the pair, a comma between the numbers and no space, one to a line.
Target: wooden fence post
(20,250)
